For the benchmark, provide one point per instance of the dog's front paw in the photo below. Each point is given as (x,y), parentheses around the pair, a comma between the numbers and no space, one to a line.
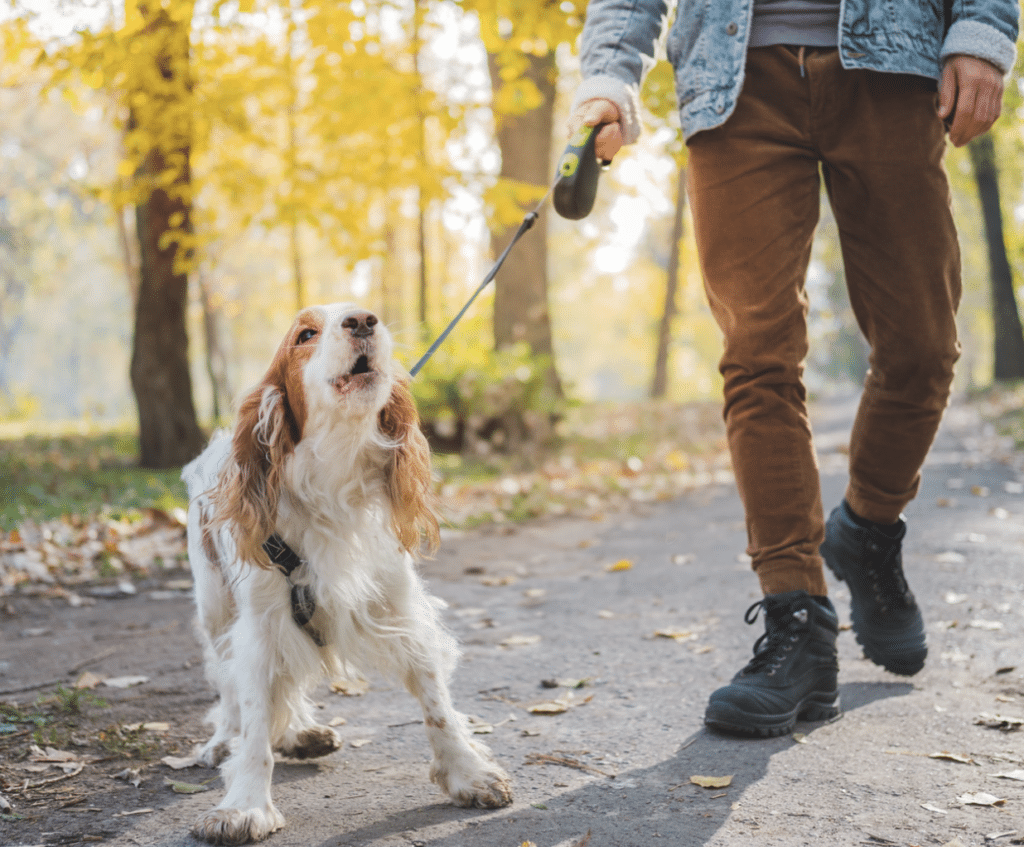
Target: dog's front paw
(475,781)
(310,743)
(235,826)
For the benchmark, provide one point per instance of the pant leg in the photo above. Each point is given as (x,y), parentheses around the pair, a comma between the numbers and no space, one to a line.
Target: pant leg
(755,193)
(882,145)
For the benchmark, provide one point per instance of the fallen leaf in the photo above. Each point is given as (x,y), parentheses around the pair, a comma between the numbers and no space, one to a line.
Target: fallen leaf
(88,680)
(712,781)
(478,726)
(542,806)
(130,775)
(995,836)
(799,737)
(1003,723)
(151,726)
(359,742)
(951,557)
(548,707)
(1017,775)
(683,558)
(125,681)
(185,787)
(498,581)
(337,721)
(142,811)
(981,798)
(606,614)
(980,491)
(179,763)
(952,757)
(990,626)
(953,598)
(935,809)
(564,761)
(520,640)
(676,634)
(350,687)
(535,593)
(621,565)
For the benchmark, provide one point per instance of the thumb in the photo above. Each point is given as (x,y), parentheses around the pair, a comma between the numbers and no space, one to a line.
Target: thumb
(947,90)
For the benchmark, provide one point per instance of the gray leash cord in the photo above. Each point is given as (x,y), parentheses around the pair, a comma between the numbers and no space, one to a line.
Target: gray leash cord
(528,221)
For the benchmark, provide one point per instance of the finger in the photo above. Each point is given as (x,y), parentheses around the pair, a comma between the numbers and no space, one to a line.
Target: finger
(965,126)
(591,113)
(609,141)
(947,90)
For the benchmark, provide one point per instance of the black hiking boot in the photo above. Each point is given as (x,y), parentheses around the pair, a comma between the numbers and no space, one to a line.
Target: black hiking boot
(883,611)
(793,674)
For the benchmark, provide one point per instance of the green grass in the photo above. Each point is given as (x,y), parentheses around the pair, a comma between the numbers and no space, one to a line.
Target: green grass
(45,477)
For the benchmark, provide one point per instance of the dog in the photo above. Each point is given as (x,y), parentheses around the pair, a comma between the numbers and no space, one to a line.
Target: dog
(303,525)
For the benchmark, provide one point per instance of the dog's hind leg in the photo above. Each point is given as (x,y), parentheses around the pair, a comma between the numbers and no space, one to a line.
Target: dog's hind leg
(215,613)
(305,738)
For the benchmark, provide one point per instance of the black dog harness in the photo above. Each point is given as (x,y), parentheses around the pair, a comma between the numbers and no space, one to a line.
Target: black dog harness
(303,605)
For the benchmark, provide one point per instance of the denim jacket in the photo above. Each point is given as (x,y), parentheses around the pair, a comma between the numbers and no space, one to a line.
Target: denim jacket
(707,46)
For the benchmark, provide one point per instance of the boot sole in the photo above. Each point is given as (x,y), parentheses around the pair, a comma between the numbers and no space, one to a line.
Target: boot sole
(817,706)
(908,663)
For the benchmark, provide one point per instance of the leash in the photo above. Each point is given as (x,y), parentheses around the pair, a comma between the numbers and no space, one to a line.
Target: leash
(574,189)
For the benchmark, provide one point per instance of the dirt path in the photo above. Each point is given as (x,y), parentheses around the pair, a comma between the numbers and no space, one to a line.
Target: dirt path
(618,762)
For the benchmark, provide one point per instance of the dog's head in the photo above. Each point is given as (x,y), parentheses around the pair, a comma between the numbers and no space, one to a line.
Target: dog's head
(334,379)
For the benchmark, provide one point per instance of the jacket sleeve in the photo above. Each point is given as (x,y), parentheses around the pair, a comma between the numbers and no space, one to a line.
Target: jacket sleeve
(617,49)
(986,29)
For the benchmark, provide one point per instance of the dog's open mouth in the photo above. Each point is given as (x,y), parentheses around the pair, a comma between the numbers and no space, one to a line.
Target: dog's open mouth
(361,374)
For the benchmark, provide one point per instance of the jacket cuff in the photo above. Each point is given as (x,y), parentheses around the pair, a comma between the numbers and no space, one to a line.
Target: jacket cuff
(971,38)
(622,94)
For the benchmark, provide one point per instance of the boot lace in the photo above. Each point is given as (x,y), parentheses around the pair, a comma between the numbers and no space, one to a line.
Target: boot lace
(783,628)
(884,570)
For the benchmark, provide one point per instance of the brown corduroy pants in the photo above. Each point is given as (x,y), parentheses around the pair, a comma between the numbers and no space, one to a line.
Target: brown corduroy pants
(754,186)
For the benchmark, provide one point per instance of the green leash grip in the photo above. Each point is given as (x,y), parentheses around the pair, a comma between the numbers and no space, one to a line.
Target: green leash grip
(578,170)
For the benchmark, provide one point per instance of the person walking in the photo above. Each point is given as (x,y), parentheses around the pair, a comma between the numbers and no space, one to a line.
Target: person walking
(776,96)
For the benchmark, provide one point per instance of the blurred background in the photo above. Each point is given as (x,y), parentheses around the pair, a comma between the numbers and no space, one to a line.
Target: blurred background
(179,177)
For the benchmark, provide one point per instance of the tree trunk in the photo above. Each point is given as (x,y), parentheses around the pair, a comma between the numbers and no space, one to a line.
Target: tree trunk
(521,288)
(216,358)
(169,434)
(1009,337)
(659,382)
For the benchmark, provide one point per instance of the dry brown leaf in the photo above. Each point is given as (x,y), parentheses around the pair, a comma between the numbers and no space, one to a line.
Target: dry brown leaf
(981,798)
(520,640)
(350,687)
(179,763)
(88,680)
(676,634)
(1017,775)
(952,757)
(712,781)
(1004,723)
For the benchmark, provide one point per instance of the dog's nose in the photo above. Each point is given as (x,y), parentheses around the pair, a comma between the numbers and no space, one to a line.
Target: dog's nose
(360,324)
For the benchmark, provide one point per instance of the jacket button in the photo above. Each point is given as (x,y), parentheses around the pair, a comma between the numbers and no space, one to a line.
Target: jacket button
(731,28)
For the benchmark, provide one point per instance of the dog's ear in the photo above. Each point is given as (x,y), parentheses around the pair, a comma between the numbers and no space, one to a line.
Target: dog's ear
(247,497)
(407,476)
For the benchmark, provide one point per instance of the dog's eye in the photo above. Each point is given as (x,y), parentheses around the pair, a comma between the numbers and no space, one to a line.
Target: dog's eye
(307,335)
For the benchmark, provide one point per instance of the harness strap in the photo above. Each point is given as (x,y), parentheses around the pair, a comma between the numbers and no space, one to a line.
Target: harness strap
(303,605)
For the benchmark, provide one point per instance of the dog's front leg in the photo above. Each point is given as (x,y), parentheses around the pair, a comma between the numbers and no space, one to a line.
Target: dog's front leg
(463,768)
(247,812)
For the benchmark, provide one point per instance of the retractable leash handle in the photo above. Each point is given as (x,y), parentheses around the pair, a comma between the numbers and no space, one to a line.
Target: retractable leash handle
(578,171)
(574,190)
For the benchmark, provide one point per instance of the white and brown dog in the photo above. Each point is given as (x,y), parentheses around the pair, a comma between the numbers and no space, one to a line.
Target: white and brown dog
(301,531)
